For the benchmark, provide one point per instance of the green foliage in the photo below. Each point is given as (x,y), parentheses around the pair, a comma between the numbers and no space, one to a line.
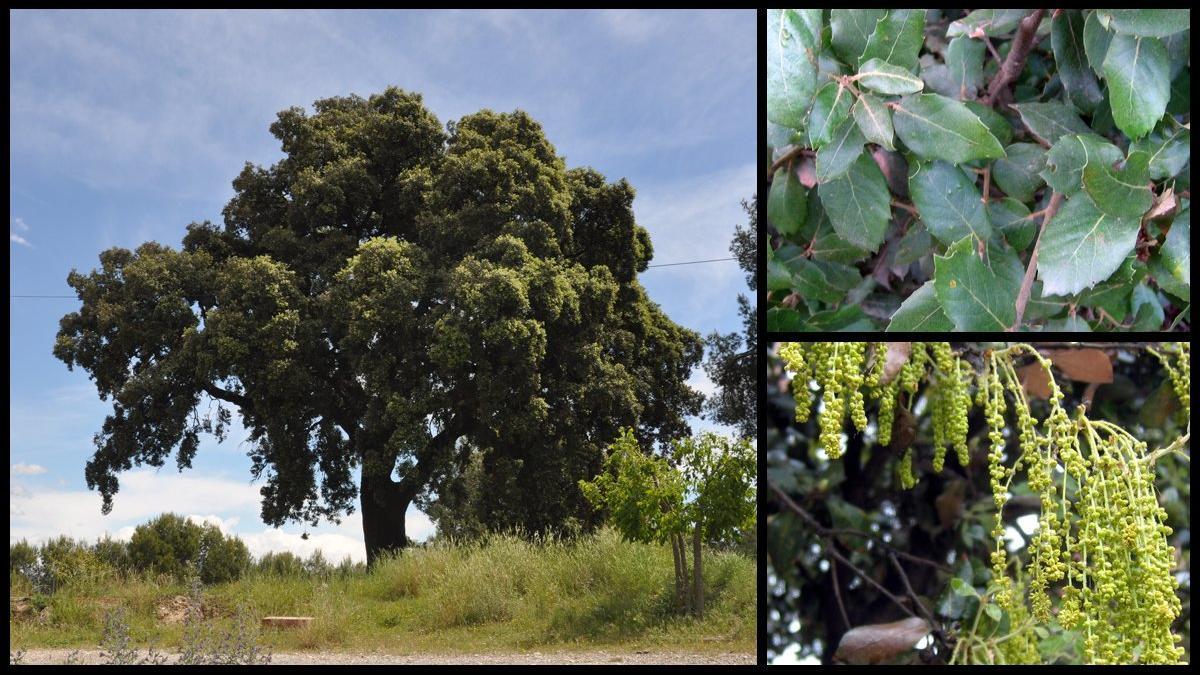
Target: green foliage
(1053,141)
(171,544)
(512,593)
(385,295)
(21,555)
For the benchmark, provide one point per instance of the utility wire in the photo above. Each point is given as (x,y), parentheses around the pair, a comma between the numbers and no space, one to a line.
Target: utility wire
(694,262)
(689,262)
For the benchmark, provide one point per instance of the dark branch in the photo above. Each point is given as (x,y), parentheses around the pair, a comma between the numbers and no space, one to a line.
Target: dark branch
(237,399)
(1015,63)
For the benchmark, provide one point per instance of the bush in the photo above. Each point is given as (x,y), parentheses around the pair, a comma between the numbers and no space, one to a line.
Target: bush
(171,545)
(67,562)
(282,564)
(914,170)
(114,553)
(21,555)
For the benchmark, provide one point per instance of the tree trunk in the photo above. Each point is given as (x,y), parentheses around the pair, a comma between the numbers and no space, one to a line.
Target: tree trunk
(683,567)
(384,505)
(678,573)
(698,603)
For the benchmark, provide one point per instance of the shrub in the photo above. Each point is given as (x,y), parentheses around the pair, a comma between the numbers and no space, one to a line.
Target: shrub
(114,553)
(21,555)
(281,564)
(986,170)
(170,544)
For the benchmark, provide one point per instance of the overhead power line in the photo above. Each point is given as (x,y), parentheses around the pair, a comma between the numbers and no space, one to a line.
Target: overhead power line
(692,262)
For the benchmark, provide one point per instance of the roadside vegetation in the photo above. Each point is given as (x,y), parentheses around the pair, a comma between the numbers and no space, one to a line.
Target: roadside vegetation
(500,592)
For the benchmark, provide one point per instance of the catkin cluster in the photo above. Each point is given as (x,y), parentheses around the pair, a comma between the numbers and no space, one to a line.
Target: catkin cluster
(1101,541)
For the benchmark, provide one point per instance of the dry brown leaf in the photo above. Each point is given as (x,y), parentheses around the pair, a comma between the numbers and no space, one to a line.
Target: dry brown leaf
(897,356)
(1083,365)
(880,642)
(1035,380)
(1164,205)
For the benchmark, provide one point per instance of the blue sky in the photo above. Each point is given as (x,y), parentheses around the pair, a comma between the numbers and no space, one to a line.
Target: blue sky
(126,126)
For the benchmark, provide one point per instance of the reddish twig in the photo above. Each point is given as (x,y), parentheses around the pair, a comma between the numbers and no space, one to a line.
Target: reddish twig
(1015,63)
(1027,283)
(787,157)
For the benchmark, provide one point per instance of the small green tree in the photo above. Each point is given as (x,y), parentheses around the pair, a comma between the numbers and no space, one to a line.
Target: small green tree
(170,544)
(705,488)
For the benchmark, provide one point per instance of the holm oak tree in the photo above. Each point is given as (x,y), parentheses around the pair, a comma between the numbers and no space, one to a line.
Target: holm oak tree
(384,296)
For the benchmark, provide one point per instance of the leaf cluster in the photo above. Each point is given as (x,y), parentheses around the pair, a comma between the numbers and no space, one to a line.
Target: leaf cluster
(978,170)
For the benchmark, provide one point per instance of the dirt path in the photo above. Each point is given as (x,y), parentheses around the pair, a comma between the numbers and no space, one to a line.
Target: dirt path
(595,656)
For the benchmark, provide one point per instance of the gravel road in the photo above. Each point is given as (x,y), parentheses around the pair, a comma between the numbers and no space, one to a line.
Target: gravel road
(48,656)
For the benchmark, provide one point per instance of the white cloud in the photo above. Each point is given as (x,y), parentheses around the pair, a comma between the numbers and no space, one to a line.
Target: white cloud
(16,238)
(27,469)
(38,515)
(633,25)
(20,225)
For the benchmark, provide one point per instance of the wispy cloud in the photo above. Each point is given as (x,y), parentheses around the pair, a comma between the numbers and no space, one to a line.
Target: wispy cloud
(20,226)
(27,469)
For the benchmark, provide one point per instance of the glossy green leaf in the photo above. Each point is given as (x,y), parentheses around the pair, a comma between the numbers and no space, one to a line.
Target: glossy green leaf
(921,311)
(1123,192)
(978,294)
(1148,22)
(993,612)
(1147,309)
(1095,42)
(1066,39)
(1083,246)
(836,156)
(949,203)
(858,204)
(885,78)
(897,38)
(937,127)
(1050,121)
(1011,218)
(914,245)
(1070,324)
(819,280)
(849,318)
(995,122)
(992,22)
(793,40)
(787,202)
(850,29)
(779,277)
(1169,150)
(874,120)
(1018,173)
(1135,70)
(964,60)
(1112,294)
(829,110)
(1172,264)
(1065,161)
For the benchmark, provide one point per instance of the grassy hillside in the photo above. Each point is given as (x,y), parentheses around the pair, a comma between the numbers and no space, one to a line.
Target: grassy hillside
(501,595)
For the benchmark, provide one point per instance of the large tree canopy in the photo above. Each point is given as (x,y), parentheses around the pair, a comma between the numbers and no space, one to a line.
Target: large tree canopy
(385,296)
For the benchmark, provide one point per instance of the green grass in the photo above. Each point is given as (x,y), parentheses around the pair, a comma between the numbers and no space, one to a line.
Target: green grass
(507,594)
